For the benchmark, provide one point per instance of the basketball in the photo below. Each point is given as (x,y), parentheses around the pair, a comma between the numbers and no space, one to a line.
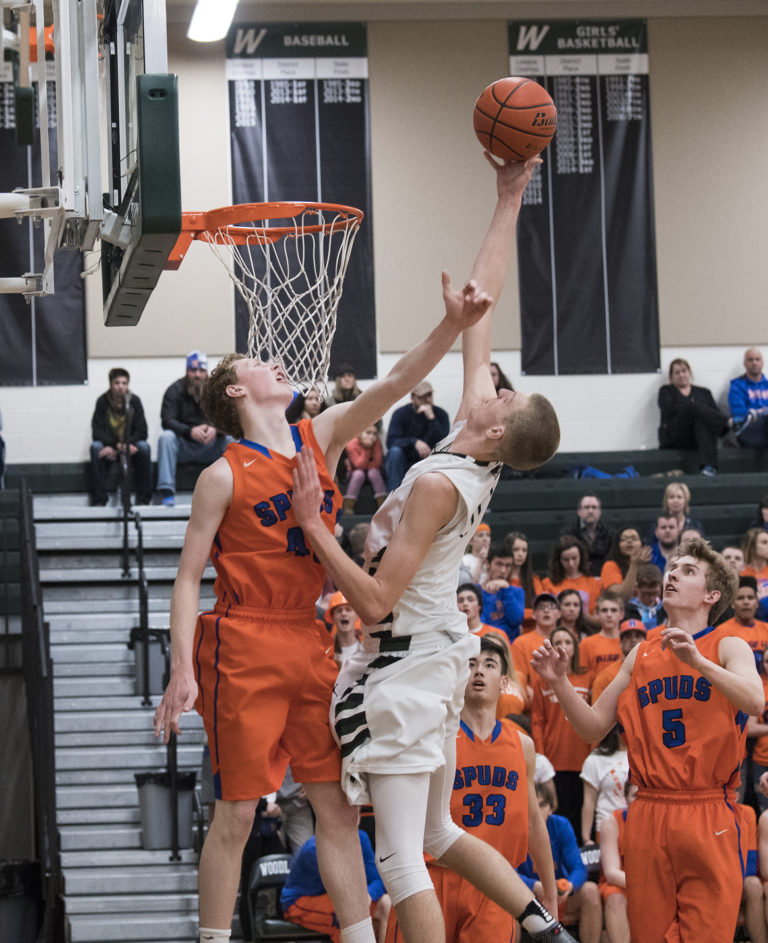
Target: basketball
(515,118)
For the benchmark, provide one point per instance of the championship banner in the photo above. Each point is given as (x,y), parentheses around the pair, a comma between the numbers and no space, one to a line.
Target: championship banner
(586,243)
(42,343)
(299,130)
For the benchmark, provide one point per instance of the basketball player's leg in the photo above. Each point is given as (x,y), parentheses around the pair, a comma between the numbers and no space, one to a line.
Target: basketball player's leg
(339,855)
(219,871)
(399,803)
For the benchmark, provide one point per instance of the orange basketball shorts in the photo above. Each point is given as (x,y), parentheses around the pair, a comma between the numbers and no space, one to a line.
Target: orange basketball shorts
(684,857)
(265,679)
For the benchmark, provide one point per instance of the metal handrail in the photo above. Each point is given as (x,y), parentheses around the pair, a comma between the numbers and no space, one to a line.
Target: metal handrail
(38,678)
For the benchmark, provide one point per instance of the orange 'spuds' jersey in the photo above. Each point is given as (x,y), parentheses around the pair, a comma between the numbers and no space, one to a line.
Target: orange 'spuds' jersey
(681,732)
(490,789)
(260,555)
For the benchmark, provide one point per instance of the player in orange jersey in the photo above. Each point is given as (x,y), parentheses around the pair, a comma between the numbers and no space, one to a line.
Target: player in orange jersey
(682,701)
(256,666)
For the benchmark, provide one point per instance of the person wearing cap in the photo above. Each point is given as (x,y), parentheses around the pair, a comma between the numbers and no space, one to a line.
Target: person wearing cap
(345,625)
(118,425)
(345,387)
(631,633)
(414,430)
(546,611)
(187,435)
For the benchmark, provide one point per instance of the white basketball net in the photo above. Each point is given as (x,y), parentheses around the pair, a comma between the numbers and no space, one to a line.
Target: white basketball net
(291,278)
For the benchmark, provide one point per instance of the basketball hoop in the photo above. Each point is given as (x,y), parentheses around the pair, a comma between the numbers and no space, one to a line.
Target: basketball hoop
(288,262)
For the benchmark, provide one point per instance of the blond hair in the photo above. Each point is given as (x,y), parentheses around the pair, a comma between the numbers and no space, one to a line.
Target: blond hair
(531,435)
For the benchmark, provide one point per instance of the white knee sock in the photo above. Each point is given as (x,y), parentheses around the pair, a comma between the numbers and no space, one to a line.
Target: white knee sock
(359,932)
(214,936)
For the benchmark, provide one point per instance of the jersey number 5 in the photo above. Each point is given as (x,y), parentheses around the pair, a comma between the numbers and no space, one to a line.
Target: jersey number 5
(672,722)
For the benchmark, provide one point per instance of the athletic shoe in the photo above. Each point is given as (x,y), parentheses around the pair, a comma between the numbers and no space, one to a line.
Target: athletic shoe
(556,934)
(169,501)
(709,471)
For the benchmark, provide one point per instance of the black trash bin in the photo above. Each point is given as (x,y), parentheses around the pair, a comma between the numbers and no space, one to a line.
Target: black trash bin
(19,900)
(155,803)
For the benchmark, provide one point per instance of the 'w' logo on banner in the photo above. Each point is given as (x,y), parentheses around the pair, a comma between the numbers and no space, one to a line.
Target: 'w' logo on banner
(249,40)
(530,37)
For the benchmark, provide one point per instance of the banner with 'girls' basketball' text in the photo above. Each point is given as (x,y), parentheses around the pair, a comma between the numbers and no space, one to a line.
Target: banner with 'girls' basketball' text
(298,105)
(586,244)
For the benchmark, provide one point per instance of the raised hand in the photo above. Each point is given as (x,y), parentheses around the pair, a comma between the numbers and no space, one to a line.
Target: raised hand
(550,662)
(467,306)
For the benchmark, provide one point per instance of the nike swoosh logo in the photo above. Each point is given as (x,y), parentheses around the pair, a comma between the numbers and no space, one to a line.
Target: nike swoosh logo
(382,860)
(721,831)
(246,464)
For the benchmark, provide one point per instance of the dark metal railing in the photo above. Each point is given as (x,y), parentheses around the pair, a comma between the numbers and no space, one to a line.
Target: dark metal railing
(38,678)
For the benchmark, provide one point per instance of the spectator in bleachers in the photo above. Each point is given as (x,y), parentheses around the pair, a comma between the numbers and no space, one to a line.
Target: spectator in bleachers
(602,648)
(569,568)
(572,614)
(553,735)
(187,435)
(748,402)
(613,882)
(521,573)
(755,547)
(364,457)
(677,503)
(474,563)
(690,418)
(345,387)
(626,555)
(304,406)
(345,627)
(734,557)
(631,633)
(546,610)
(645,604)
(578,899)
(414,430)
(604,772)
(666,538)
(591,530)
(469,599)
(499,378)
(743,623)
(118,426)
(503,605)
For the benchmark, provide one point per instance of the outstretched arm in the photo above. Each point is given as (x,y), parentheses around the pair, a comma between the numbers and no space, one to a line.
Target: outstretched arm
(337,425)
(489,270)
(593,722)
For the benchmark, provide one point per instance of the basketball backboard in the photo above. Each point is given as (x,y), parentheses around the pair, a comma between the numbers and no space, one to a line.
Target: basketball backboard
(115,172)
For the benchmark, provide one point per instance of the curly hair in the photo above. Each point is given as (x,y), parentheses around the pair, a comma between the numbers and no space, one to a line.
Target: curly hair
(216,404)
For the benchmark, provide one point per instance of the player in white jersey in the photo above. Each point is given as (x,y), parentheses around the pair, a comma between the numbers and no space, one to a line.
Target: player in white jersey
(396,704)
